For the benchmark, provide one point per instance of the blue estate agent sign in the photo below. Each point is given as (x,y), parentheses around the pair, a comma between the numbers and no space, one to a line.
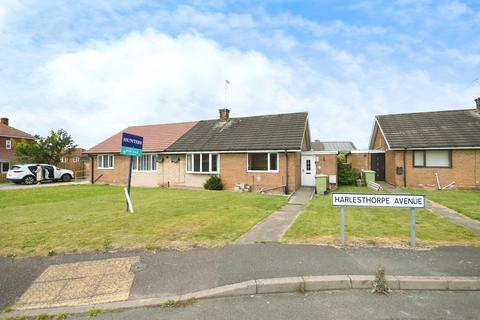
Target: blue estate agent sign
(131,145)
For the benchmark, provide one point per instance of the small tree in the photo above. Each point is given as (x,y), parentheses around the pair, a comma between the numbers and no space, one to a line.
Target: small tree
(346,174)
(45,150)
(213,183)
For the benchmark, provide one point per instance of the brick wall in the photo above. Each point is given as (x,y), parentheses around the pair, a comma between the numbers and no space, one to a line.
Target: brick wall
(117,175)
(359,161)
(233,169)
(326,164)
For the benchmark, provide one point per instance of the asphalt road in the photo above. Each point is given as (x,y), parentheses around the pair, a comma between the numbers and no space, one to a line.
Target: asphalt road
(326,305)
(170,273)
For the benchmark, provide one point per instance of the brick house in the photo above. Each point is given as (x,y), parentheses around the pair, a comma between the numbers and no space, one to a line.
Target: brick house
(412,149)
(75,162)
(263,152)
(106,165)
(8,136)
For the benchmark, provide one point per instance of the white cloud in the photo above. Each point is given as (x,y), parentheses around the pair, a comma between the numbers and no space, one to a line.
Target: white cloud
(151,77)
(453,9)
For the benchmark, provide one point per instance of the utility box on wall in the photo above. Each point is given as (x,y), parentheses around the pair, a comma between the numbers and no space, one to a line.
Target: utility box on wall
(399,171)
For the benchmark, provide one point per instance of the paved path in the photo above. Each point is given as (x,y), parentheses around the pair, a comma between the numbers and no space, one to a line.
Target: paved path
(275,225)
(319,305)
(169,273)
(442,211)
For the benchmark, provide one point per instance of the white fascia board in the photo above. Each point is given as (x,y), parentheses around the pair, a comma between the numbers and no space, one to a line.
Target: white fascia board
(383,135)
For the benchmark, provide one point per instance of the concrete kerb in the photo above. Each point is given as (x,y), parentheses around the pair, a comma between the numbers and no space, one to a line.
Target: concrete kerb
(281,285)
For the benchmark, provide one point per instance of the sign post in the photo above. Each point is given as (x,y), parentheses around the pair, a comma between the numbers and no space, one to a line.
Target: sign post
(132,146)
(411,201)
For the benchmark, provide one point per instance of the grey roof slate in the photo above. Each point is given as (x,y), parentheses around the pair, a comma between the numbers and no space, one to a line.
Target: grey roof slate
(268,132)
(340,146)
(439,129)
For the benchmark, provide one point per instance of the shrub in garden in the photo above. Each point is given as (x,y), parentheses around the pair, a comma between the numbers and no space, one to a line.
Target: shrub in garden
(213,183)
(346,174)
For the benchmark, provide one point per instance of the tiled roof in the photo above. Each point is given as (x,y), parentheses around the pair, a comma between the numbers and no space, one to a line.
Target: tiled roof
(269,132)
(439,129)
(340,146)
(156,137)
(11,132)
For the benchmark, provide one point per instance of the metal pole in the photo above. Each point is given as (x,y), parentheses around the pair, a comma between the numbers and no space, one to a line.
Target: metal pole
(412,227)
(129,178)
(342,225)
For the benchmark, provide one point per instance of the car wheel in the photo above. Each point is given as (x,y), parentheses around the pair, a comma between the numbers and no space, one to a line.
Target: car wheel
(29,180)
(66,178)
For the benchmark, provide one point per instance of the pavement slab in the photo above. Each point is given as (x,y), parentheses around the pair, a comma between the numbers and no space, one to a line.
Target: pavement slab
(80,283)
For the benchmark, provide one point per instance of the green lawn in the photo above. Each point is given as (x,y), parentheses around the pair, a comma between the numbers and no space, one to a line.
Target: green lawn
(466,202)
(85,218)
(319,223)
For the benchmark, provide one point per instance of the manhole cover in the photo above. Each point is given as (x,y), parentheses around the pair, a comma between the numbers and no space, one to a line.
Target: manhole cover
(138,267)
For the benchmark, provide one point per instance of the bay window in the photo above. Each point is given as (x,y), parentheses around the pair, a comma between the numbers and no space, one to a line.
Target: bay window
(202,163)
(432,159)
(263,162)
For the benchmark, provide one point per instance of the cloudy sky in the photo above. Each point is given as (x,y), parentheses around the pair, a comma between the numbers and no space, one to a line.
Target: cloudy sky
(95,67)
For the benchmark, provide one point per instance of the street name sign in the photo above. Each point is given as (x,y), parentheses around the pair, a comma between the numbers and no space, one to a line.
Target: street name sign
(410,201)
(378,200)
(131,145)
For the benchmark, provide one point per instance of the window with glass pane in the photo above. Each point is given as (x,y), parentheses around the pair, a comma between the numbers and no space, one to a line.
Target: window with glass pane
(147,162)
(263,161)
(214,162)
(196,162)
(273,161)
(205,162)
(189,162)
(418,159)
(105,161)
(5,166)
(437,158)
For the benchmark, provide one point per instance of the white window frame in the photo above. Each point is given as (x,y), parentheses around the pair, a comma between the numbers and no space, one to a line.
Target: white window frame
(8,144)
(268,162)
(103,157)
(136,162)
(425,165)
(1,166)
(202,154)
(76,159)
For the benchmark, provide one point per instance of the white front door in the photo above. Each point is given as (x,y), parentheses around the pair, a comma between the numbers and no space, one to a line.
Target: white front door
(308,170)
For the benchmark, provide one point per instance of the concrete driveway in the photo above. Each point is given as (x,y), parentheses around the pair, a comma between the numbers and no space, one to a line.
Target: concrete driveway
(13,186)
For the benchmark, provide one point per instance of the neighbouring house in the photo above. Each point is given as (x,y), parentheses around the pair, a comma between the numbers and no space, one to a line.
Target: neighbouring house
(75,162)
(326,157)
(8,136)
(339,146)
(106,165)
(258,153)
(413,149)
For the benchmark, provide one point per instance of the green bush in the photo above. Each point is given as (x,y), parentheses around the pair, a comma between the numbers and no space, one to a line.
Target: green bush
(213,183)
(346,174)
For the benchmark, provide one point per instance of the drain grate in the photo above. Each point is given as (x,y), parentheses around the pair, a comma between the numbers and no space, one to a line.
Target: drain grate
(137,267)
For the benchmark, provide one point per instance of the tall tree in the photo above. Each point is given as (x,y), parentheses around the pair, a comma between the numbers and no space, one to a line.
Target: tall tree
(46,150)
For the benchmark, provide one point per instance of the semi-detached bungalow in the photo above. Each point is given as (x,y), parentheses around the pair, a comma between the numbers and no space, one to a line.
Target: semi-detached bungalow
(256,153)
(412,149)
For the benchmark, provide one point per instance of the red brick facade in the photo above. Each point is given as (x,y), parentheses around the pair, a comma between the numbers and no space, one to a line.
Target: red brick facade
(465,169)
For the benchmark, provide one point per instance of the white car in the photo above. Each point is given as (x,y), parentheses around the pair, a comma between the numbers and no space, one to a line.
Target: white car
(25,173)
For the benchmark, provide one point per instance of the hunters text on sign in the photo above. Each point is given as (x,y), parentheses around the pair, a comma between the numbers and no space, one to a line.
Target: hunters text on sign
(378,200)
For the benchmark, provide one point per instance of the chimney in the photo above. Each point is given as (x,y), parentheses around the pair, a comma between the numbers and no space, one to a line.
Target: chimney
(4,121)
(476,100)
(224,114)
